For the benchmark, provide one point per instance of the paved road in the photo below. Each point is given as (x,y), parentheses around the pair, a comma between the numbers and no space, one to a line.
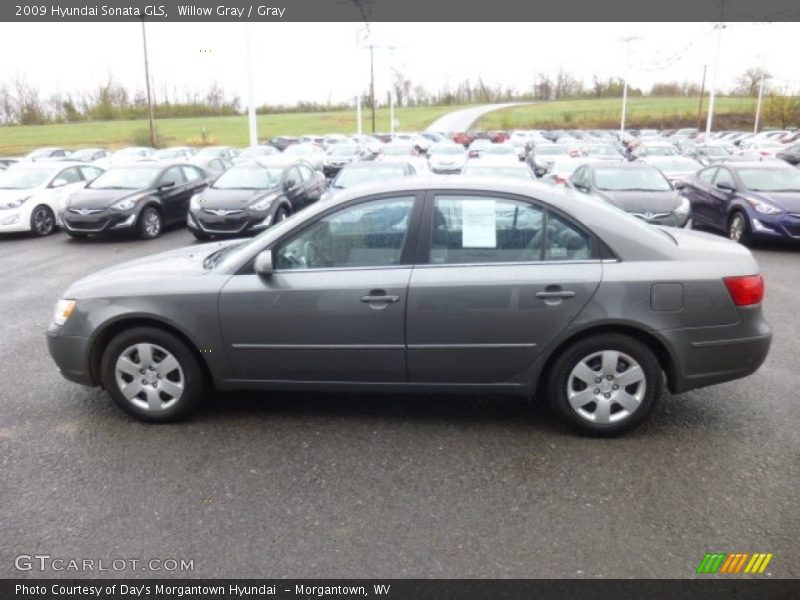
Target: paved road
(303,485)
(462,120)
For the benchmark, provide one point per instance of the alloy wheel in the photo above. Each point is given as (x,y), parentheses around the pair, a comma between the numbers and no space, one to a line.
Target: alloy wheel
(737,228)
(152,223)
(43,221)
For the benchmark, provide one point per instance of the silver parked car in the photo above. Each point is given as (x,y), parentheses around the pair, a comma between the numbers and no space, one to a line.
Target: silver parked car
(426,284)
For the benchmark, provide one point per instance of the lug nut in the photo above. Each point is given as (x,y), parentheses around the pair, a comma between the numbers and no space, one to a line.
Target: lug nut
(598,380)
(607,395)
(615,386)
(596,392)
(609,377)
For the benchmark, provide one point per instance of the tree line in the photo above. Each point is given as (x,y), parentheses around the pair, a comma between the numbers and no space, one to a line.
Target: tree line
(22,104)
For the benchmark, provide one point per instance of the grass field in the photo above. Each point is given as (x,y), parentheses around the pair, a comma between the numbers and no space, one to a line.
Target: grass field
(601,113)
(605,113)
(232,131)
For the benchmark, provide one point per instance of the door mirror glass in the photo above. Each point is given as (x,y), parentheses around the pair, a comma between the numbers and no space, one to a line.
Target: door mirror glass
(263,263)
(725,186)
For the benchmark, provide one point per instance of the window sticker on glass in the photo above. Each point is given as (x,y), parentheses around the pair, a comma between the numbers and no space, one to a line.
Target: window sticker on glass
(479,224)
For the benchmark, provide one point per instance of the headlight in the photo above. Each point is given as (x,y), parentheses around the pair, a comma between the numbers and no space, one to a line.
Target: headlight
(63,311)
(126,204)
(684,207)
(262,205)
(763,207)
(16,203)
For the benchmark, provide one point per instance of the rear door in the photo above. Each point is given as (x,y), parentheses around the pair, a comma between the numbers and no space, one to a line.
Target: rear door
(174,196)
(497,279)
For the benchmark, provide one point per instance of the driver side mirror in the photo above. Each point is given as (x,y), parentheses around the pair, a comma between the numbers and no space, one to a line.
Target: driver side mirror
(289,184)
(166,184)
(725,186)
(59,183)
(263,264)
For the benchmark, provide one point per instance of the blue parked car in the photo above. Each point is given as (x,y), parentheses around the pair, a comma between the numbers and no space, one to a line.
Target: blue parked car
(747,200)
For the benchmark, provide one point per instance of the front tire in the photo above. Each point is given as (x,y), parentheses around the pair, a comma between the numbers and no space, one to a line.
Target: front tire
(152,375)
(282,214)
(605,385)
(150,223)
(43,222)
(739,228)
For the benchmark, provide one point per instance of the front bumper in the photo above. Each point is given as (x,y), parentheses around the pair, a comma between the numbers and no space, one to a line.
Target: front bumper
(664,219)
(785,226)
(14,221)
(233,224)
(106,221)
(71,355)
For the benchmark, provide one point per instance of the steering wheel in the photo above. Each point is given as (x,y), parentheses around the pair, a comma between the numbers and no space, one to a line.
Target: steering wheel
(313,256)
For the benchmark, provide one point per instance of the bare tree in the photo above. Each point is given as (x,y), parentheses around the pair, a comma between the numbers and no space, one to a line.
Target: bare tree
(747,83)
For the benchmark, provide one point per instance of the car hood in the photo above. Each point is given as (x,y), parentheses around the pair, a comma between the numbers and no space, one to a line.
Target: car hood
(94,198)
(788,201)
(171,271)
(637,202)
(217,198)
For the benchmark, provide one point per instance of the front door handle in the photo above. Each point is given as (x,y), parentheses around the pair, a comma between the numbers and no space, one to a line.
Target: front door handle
(384,298)
(555,294)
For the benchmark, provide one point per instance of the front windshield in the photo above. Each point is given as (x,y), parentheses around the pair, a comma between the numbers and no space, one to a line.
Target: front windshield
(397,150)
(23,179)
(647,180)
(351,176)
(715,151)
(249,178)
(676,164)
(447,149)
(518,172)
(126,178)
(499,149)
(771,180)
(343,150)
(551,150)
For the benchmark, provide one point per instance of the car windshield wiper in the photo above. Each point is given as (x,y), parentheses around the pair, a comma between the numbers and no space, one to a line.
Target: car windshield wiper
(783,190)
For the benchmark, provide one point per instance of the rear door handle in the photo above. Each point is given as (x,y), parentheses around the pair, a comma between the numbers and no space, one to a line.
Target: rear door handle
(554,294)
(385,298)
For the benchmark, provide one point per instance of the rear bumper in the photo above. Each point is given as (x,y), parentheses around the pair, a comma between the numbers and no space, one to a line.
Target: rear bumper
(706,356)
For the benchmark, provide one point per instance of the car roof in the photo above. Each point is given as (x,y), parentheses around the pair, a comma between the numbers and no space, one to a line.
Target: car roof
(758,164)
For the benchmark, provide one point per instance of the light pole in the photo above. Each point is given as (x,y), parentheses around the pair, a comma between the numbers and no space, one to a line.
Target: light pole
(627,41)
(358,114)
(147,87)
(251,104)
(760,94)
(713,87)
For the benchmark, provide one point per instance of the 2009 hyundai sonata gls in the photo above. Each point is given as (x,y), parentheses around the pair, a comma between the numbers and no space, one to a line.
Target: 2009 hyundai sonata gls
(426,285)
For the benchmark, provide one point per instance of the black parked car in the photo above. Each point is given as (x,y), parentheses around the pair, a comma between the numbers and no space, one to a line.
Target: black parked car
(249,197)
(282,142)
(790,154)
(637,188)
(143,197)
(747,200)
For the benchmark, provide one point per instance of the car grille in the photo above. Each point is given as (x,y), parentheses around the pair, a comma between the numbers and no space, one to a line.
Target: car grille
(85,211)
(227,226)
(221,212)
(651,216)
(98,225)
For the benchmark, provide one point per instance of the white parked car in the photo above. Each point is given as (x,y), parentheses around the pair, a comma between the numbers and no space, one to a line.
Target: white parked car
(313,153)
(33,195)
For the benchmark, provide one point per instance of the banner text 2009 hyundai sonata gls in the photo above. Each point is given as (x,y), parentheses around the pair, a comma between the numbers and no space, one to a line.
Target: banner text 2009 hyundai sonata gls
(426,285)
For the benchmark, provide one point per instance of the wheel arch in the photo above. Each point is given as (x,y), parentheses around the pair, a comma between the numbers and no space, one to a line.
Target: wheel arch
(112,328)
(666,359)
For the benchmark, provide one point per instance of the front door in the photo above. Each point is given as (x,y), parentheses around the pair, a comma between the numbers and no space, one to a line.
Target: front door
(334,308)
(503,279)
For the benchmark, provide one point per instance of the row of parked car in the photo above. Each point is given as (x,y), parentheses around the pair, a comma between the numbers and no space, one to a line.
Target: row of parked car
(665,178)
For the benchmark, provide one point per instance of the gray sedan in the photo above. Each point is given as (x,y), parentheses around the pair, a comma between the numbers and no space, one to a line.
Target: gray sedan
(424,284)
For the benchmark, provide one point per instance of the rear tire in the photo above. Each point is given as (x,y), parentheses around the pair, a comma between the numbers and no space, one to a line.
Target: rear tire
(150,223)
(43,221)
(152,375)
(606,384)
(739,228)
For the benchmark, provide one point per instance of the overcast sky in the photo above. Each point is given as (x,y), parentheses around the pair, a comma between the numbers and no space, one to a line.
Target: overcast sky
(318,61)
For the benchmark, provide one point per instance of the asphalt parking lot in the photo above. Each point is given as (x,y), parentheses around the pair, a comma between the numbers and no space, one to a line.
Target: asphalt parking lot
(317,485)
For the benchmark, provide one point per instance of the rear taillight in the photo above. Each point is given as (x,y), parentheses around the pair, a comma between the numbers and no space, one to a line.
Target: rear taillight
(559,179)
(747,290)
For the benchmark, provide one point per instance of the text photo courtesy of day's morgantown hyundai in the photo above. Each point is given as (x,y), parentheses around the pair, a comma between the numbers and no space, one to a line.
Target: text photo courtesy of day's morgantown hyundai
(405,300)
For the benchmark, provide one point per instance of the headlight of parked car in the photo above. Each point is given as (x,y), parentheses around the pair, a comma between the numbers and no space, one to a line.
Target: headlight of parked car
(63,311)
(684,207)
(763,207)
(126,204)
(262,205)
(15,203)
